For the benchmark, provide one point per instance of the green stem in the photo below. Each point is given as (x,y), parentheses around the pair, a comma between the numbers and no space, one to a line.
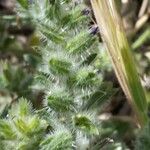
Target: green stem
(145,36)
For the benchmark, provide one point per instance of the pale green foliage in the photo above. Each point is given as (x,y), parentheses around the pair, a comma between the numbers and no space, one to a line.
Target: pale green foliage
(24,129)
(70,70)
(85,122)
(72,77)
(71,73)
(21,126)
(59,140)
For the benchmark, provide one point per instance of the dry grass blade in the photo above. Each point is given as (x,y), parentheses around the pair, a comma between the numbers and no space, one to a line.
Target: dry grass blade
(119,50)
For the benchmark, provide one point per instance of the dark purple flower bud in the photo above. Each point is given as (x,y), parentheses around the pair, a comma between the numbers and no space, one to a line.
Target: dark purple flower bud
(85,11)
(94,30)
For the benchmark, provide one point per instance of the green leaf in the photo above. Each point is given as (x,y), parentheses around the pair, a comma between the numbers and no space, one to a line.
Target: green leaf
(53,36)
(6,131)
(85,124)
(101,96)
(60,140)
(86,77)
(58,66)
(60,101)
(23,3)
(21,109)
(80,43)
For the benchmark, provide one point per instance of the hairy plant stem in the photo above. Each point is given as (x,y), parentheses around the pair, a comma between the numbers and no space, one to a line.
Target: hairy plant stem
(114,38)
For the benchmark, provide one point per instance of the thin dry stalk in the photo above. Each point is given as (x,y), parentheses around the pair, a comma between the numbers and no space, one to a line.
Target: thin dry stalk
(113,35)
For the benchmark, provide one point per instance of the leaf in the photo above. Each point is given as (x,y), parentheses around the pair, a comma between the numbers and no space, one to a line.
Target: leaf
(6,131)
(86,77)
(53,36)
(23,3)
(101,96)
(60,102)
(85,124)
(21,109)
(60,140)
(58,66)
(80,43)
